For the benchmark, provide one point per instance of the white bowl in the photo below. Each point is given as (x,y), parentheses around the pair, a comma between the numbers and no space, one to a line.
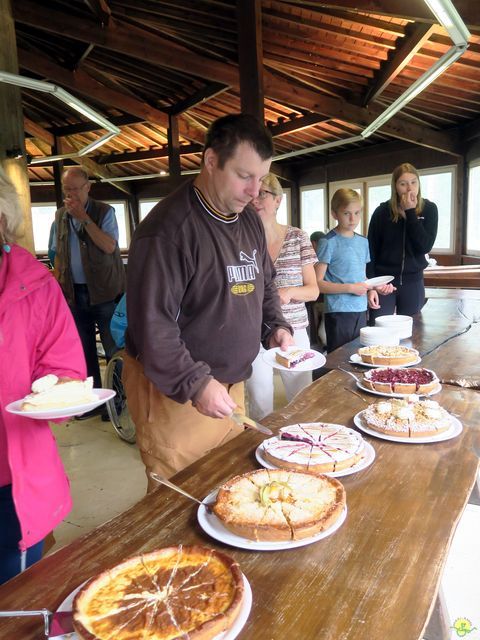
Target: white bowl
(371,336)
(401,325)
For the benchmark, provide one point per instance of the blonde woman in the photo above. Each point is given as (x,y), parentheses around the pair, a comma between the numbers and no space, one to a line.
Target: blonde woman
(401,232)
(293,257)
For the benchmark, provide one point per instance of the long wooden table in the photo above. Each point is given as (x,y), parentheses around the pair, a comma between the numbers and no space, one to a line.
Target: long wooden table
(377,577)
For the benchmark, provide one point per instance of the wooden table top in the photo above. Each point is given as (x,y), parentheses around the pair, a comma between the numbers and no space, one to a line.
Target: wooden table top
(375,578)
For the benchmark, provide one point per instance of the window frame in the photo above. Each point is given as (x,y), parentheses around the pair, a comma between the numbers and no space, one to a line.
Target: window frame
(474,253)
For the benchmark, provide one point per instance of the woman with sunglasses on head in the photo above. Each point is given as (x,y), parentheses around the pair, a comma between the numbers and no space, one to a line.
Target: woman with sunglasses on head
(293,257)
(400,233)
(37,337)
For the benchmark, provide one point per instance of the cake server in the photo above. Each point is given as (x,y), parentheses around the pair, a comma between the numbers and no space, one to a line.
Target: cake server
(243,421)
(56,625)
(175,487)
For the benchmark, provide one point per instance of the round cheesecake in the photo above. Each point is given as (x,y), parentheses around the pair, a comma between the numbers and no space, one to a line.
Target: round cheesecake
(315,447)
(404,381)
(279,505)
(407,418)
(177,592)
(388,356)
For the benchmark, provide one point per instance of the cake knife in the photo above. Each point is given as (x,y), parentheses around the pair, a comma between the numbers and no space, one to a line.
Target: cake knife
(243,421)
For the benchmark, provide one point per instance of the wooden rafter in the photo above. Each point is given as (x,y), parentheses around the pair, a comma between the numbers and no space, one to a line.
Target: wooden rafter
(86,85)
(412,43)
(100,9)
(150,154)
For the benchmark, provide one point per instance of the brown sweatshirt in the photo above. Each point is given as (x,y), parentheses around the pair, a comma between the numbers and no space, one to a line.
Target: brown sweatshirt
(200,295)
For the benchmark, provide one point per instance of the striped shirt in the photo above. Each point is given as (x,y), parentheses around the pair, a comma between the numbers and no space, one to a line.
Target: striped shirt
(296,252)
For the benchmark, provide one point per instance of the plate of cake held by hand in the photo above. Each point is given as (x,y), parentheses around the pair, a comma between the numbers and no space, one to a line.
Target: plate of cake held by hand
(294,359)
(53,398)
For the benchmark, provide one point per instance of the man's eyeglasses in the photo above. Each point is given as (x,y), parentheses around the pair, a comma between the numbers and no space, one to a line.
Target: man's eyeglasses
(263,194)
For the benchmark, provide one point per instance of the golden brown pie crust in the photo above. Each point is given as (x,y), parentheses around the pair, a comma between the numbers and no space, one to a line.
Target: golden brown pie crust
(177,592)
(388,356)
(279,505)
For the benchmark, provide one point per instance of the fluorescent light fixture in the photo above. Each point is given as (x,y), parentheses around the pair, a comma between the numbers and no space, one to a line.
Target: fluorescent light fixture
(319,147)
(448,17)
(71,101)
(26,83)
(96,143)
(414,89)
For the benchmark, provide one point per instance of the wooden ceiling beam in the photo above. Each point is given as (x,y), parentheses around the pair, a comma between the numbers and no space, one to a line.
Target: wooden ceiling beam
(296,124)
(35,130)
(416,37)
(150,154)
(207,92)
(86,127)
(250,57)
(100,9)
(415,10)
(86,85)
(126,39)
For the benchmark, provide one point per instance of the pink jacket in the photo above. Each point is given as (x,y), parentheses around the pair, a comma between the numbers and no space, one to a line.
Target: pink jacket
(37,336)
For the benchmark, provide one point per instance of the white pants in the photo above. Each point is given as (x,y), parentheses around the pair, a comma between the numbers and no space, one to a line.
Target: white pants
(260,384)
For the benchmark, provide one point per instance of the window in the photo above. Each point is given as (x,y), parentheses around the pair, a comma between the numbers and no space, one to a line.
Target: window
(437,186)
(146,206)
(284,214)
(121,213)
(473,226)
(42,217)
(313,209)
(376,194)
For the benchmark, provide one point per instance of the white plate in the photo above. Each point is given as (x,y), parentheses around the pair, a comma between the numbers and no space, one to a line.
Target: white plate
(65,412)
(378,281)
(453,432)
(214,527)
(316,362)
(355,359)
(229,634)
(437,389)
(366,460)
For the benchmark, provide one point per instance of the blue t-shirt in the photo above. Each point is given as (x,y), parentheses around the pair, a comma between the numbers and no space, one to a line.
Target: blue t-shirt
(347,259)
(109,225)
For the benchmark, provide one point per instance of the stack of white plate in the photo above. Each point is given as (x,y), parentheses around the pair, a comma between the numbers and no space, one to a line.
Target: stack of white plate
(371,336)
(400,325)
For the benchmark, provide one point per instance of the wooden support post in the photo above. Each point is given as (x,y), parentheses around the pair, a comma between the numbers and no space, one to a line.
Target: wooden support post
(12,136)
(173,149)
(250,57)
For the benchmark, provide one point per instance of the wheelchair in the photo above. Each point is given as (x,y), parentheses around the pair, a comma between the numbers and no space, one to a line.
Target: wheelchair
(117,406)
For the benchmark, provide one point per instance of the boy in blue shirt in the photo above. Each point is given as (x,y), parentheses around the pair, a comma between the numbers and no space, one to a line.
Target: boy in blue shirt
(341,272)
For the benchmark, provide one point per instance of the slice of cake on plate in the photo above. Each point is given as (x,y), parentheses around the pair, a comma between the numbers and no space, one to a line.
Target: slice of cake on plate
(292,358)
(49,392)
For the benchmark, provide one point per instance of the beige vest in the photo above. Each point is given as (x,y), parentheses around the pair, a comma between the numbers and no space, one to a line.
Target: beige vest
(104,272)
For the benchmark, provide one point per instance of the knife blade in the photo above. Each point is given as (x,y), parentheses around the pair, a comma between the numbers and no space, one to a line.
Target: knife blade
(61,624)
(243,421)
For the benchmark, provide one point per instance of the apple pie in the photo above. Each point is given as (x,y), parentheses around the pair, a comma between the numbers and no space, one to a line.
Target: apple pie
(279,505)
(388,356)
(407,418)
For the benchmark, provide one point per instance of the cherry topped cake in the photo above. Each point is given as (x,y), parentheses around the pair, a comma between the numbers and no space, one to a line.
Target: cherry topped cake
(314,447)
(405,381)
(389,356)
(407,417)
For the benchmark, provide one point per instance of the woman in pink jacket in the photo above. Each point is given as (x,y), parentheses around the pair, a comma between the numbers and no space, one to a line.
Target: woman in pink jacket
(37,336)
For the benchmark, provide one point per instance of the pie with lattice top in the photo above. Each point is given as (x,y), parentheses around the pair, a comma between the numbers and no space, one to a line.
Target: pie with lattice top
(279,505)
(173,593)
(315,447)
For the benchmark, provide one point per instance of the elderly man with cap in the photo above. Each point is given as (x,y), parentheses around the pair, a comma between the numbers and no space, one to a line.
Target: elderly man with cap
(200,297)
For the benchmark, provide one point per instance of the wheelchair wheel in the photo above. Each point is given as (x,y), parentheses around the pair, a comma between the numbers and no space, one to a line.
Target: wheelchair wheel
(117,406)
